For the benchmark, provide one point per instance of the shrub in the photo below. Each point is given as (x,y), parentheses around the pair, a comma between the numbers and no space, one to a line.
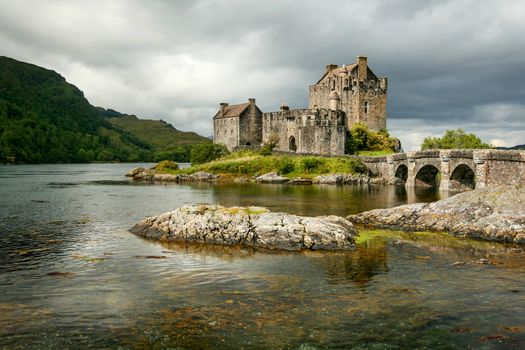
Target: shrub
(360,138)
(286,167)
(167,165)
(357,166)
(310,164)
(269,145)
(207,152)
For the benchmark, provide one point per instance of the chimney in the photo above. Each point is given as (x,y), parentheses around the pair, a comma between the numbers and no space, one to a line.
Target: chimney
(383,83)
(330,67)
(362,69)
(284,106)
(252,106)
(223,106)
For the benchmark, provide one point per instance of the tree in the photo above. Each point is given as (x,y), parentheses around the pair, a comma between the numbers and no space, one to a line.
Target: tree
(454,139)
(207,152)
(361,138)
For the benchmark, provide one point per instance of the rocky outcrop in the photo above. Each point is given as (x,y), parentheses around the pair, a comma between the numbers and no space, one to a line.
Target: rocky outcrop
(342,179)
(272,178)
(143,174)
(493,214)
(250,226)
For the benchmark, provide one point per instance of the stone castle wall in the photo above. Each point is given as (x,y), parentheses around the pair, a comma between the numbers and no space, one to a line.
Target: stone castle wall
(250,126)
(226,131)
(343,97)
(362,99)
(309,131)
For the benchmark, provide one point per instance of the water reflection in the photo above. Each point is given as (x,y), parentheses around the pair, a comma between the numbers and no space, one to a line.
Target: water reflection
(71,276)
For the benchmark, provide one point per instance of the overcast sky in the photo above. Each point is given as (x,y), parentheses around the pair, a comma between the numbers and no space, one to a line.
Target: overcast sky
(450,64)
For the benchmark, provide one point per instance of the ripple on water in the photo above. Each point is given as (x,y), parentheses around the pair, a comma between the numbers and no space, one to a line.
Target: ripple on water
(70,277)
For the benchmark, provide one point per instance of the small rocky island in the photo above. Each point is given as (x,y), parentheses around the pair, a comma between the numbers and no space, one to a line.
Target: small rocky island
(249,226)
(492,214)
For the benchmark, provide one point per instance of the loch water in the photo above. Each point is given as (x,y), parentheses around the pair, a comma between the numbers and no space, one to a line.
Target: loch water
(73,277)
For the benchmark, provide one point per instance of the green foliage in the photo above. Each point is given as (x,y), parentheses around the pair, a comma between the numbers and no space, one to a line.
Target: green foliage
(266,150)
(286,167)
(166,165)
(311,164)
(454,139)
(250,163)
(360,138)
(269,146)
(160,134)
(207,152)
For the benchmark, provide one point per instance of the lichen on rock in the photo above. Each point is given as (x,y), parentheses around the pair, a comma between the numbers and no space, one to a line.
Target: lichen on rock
(248,226)
(492,214)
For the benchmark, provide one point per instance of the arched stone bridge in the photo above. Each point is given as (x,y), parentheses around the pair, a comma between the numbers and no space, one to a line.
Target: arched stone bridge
(451,169)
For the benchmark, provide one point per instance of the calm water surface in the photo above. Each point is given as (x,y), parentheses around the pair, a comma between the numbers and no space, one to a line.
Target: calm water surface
(72,277)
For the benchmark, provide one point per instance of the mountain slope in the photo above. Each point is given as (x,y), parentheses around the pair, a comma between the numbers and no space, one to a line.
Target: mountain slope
(163,136)
(43,118)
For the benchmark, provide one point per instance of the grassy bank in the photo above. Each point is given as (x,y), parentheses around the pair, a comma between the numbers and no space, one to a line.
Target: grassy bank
(250,163)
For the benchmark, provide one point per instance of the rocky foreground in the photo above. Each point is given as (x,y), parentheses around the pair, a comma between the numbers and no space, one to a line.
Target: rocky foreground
(493,214)
(250,226)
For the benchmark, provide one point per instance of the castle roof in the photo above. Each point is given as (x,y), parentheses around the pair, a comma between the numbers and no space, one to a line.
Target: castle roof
(349,68)
(232,111)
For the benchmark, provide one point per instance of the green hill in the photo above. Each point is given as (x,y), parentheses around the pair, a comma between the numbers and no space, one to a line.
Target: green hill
(165,139)
(44,119)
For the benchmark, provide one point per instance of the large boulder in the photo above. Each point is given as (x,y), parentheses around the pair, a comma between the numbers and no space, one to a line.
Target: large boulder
(250,226)
(493,214)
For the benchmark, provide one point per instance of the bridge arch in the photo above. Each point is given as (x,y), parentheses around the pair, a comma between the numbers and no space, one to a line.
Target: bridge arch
(462,178)
(401,174)
(428,176)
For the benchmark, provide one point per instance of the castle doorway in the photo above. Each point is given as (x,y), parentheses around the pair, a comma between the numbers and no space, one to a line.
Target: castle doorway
(291,144)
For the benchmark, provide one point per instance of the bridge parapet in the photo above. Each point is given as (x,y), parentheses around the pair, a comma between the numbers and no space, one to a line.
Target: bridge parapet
(424,154)
(457,153)
(500,155)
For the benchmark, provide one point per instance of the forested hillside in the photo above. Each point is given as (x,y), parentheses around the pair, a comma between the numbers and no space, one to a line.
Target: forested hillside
(44,119)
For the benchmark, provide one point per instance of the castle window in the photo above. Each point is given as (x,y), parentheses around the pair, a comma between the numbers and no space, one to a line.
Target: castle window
(367,107)
(333,84)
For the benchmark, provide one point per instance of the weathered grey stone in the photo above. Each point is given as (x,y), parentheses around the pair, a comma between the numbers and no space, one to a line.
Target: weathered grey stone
(199,176)
(342,97)
(135,171)
(493,214)
(271,178)
(251,226)
(150,175)
(143,175)
(165,178)
(341,179)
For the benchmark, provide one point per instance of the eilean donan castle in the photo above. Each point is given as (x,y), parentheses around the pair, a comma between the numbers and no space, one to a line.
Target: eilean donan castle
(342,97)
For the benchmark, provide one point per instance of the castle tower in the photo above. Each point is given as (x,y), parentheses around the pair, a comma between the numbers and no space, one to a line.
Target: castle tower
(362,95)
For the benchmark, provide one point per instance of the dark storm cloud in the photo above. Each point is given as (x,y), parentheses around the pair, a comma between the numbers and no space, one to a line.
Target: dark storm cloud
(450,63)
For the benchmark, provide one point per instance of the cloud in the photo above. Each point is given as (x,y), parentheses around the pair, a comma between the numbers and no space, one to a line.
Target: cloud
(450,63)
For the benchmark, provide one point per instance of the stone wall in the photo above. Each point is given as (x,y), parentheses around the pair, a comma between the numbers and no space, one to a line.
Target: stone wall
(250,126)
(226,131)
(498,167)
(320,131)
